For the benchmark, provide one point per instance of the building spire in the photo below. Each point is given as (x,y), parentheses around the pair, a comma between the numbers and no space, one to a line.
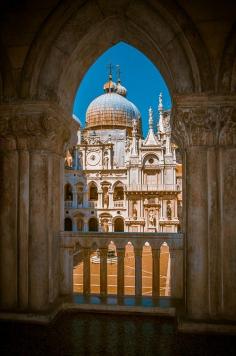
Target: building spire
(160,109)
(134,144)
(151,138)
(150,121)
(118,73)
(109,86)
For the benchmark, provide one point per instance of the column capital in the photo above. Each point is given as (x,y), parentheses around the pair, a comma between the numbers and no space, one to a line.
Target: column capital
(34,125)
(204,123)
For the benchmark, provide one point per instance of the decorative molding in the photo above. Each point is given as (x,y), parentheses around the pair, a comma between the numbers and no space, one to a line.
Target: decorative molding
(204,125)
(34,126)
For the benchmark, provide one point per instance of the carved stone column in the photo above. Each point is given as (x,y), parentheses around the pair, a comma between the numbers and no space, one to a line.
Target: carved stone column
(103,271)
(205,130)
(33,137)
(155,272)
(176,273)
(120,271)
(86,271)
(100,204)
(138,271)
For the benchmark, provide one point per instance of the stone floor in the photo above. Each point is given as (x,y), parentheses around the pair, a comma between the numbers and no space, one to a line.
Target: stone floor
(99,334)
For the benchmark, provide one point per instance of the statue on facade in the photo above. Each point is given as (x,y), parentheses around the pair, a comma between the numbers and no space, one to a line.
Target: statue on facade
(105,226)
(168,211)
(134,213)
(68,159)
(152,219)
(105,162)
(106,199)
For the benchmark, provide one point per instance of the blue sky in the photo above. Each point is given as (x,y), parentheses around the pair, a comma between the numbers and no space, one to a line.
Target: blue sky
(138,74)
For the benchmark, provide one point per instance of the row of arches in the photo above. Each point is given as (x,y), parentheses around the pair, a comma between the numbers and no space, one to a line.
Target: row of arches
(93,224)
(118,191)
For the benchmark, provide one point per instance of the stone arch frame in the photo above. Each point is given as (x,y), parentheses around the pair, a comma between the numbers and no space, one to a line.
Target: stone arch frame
(92,183)
(118,217)
(201,308)
(188,71)
(115,185)
(149,154)
(68,184)
(68,220)
(93,218)
(226,78)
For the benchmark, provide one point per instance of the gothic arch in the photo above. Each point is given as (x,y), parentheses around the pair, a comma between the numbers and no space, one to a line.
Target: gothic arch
(68,224)
(68,195)
(181,57)
(227,71)
(93,224)
(119,225)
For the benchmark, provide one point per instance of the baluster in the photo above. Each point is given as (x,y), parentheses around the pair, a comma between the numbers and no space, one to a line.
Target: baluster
(120,271)
(138,271)
(103,271)
(86,271)
(155,272)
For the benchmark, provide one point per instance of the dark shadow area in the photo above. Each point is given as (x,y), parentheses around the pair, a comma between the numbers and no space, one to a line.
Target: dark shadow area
(97,334)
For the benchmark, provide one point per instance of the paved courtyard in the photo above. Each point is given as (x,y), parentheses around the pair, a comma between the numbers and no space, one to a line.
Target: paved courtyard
(129,273)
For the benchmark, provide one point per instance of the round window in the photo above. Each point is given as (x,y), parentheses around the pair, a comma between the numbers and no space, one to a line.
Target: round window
(151,160)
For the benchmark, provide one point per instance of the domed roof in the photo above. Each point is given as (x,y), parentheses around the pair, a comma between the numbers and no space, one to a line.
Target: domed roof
(111,109)
(121,90)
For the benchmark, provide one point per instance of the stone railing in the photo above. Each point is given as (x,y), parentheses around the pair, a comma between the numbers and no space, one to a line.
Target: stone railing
(68,203)
(152,187)
(74,242)
(118,204)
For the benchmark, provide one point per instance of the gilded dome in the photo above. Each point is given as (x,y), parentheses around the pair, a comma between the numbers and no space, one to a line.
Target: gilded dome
(111,109)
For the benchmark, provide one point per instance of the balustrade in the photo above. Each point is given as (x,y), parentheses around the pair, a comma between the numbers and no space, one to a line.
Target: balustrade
(152,187)
(87,241)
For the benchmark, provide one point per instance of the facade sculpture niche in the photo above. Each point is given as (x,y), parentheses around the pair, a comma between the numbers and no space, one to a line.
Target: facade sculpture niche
(169,210)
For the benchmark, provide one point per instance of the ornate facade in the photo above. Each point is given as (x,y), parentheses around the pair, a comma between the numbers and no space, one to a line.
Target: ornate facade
(117,181)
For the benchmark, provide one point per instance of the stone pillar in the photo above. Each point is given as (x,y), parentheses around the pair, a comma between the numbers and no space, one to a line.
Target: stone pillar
(111,202)
(120,271)
(204,129)
(86,271)
(138,271)
(75,198)
(85,198)
(100,200)
(155,272)
(85,225)
(176,273)
(103,271)
(33,137)
(66,277)
(8,224)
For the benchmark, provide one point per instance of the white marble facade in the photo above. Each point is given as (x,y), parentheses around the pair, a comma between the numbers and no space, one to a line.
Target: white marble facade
(117,181)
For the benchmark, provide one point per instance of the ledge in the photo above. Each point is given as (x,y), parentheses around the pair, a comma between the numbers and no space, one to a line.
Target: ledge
(206,327)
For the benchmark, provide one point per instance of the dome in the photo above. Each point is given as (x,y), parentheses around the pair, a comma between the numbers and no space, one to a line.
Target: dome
(109,86)
(111,109)
(121,90)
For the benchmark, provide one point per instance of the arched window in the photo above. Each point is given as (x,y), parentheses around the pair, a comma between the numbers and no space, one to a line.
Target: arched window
(93,192)
(68,192)
(118,192)
(68,224)
(93,224)
(119,225)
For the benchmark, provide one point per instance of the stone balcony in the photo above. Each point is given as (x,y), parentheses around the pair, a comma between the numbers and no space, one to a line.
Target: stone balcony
(153,188)
(73,243)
